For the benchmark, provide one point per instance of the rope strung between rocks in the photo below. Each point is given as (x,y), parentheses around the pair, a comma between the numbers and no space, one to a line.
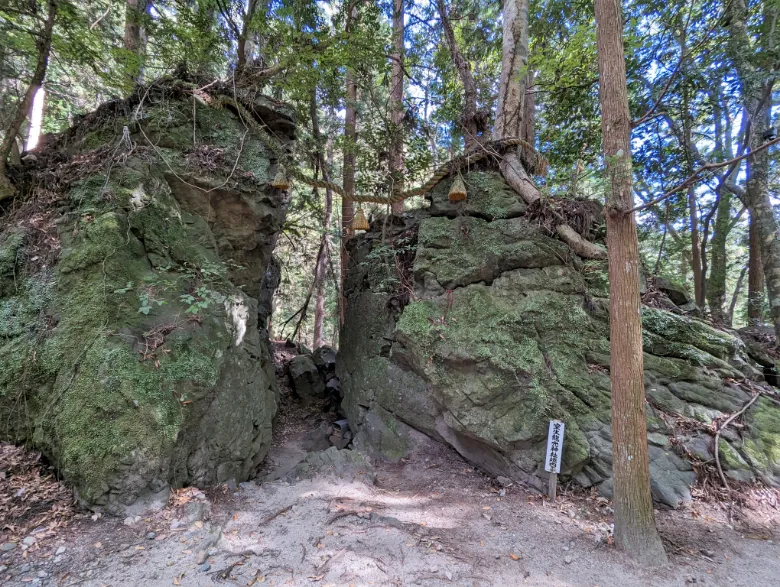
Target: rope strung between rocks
(534,161)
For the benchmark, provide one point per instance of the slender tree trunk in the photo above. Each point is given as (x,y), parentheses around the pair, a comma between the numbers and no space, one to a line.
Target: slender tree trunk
(635,530)
(756,289)
(528,133)
(43,45)
(397,105)
(696,264)
(320,267)
(468,122)
(348,165)
(716,283)
(735,296)
(757,97)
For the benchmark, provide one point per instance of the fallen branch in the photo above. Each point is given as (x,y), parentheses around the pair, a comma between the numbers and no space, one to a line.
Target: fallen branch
(272,517)
(723,427)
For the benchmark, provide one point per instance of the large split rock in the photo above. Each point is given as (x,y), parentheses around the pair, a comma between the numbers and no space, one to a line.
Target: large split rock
(507,328)
(129,345)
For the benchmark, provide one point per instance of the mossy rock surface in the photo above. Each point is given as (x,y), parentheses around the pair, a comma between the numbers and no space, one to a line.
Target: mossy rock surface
(507,329)
(134,359)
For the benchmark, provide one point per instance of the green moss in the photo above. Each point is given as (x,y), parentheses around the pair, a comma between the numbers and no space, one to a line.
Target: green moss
(489,193)
(762,447)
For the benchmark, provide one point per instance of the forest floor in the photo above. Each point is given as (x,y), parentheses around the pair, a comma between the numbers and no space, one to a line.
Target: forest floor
(430,520)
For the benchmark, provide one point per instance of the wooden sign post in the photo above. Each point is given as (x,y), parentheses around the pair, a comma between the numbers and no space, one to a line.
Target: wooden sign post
(552,461)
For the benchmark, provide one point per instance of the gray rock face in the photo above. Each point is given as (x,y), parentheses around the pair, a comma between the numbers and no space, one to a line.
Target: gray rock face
(135,338)
(507,329)
(306,379)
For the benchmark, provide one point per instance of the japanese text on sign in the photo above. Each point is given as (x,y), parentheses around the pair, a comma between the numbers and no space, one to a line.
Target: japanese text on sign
(552,461)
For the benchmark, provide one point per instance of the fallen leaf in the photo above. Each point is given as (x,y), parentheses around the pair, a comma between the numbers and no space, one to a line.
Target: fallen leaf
(514,557)
(199,524)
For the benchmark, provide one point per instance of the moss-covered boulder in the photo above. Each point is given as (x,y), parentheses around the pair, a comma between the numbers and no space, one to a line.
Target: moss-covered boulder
(507,328)
(130,351)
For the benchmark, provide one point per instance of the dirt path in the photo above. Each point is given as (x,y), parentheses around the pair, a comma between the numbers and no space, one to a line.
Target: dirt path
(430,520)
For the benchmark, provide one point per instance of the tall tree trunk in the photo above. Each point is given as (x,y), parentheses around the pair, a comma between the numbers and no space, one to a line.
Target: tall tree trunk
(244,47)
(43,45)
(696,261)
(757,97)
(756,288)
(135,38)
(468,122)
(514,71)
(510,107)
(348,165)
(635,530)
(716,283)
(397,105)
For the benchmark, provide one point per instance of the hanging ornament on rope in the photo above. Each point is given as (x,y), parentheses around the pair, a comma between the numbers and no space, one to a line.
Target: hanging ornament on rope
(458,190)
(280,181)
(359,221)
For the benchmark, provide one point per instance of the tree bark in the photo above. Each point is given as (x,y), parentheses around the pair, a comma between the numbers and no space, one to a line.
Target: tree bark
(135,37)
(635,530)
(397,105)
(514,71)
(468,120)
(43,45)
(716,283)
(756,288)
(757,96)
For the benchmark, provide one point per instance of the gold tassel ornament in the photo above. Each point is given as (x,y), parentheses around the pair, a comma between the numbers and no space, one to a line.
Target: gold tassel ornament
(359,221)
(281,182)
(458,190)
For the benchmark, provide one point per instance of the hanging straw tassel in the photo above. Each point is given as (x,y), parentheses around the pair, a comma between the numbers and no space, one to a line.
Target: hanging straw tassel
(458,190)
(281,182)
(359,221)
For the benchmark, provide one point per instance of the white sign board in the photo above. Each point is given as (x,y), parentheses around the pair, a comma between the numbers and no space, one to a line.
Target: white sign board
(552,462)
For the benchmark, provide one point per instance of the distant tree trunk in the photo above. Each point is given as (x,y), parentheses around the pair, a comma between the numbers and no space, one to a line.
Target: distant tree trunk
(468,120)
(716,283)
(348,165)
(135,37)
(635,530)
(397,105)
(757,97)
(43,45)
(320,267)
(696,263)
(735,296)
(756,289)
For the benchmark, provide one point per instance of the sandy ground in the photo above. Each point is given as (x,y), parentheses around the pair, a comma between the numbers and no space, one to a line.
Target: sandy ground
(430,520)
